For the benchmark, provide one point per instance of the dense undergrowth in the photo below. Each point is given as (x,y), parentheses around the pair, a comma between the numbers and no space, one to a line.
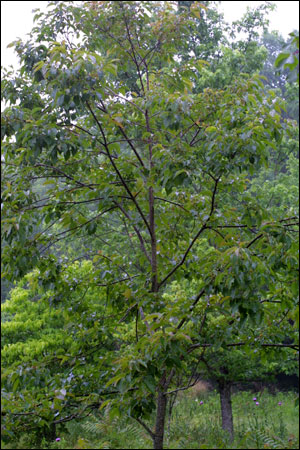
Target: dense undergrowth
(261,421)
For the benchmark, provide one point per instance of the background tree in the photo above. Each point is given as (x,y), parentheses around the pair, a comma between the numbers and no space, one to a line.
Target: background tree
(49,349)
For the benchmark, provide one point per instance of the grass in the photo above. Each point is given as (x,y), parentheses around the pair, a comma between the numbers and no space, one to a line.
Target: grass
(195,424)
(266,425)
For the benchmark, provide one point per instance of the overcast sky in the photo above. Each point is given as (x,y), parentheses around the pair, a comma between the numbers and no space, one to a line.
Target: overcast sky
(16,20)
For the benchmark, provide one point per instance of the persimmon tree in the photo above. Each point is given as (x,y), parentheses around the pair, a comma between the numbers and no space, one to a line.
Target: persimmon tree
(103,111)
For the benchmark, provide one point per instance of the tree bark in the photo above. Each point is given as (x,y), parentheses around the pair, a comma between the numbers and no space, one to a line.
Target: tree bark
(154,287)
(226,407)
(158,438)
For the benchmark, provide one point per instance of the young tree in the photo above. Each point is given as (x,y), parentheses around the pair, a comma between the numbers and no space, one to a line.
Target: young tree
(148,160)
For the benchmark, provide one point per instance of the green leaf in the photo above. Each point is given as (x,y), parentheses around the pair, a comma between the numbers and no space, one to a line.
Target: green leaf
(39,66)
(114,412)
(104,404)
(149,381)
(211,129)
(115,380)
(280,59)
(16,384)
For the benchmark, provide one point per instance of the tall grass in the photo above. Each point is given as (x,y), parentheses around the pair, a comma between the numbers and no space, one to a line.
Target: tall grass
(261,421)
(269,421)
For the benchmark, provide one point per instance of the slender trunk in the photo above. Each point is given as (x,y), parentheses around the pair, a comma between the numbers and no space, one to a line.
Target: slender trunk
(154,287)
(158,438)
(49,433)
(226,407)
(158,435)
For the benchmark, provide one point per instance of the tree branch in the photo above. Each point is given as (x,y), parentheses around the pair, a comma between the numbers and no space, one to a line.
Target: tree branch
(183,388)
(143,248)
(254,240)
(237,344)
(173,203)
(145,426)
(191,308)
(104,143)
(204,226)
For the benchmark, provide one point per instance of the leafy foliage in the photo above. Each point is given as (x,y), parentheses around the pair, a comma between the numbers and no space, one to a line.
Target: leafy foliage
(290,58)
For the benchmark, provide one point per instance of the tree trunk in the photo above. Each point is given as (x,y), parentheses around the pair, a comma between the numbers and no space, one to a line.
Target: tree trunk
(48,433)
(226,407)
(158,438)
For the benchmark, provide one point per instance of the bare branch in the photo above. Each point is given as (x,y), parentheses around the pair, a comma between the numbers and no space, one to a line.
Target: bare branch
(69,177)
(145,321)
(145,426)
(254,240)
(71,230)
(143,248)
(204,226)
(173,203)
(191,308)
(237,344)
(117,170)
(134,57)
(183,388)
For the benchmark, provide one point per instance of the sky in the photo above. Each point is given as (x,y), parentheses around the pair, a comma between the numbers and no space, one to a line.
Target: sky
(17,20)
